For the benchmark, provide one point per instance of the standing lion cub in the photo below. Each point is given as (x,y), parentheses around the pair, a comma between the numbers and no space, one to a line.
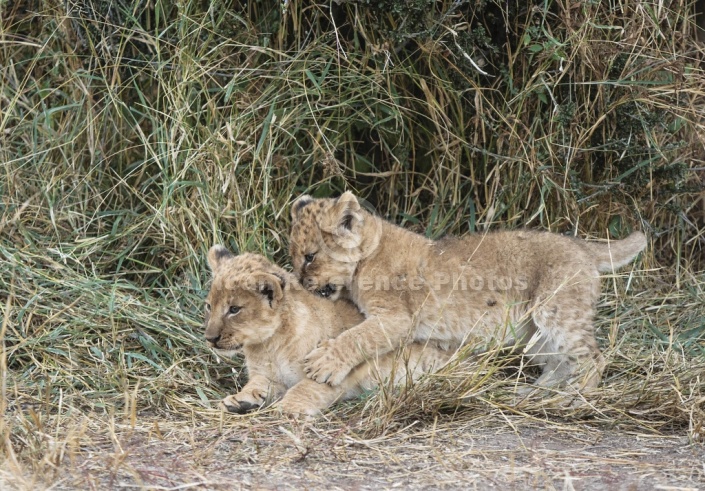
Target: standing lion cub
(535,290)
(258,307)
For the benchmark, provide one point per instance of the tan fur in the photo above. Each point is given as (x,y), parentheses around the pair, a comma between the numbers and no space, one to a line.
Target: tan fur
(277,324)
(531,289)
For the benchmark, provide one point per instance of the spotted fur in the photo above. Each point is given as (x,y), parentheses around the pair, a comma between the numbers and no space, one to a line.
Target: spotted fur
(532,290)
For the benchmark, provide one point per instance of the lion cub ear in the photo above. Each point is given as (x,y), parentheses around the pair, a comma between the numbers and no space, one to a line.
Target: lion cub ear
(299,205)
(345,211)
(270,286)
(216,255)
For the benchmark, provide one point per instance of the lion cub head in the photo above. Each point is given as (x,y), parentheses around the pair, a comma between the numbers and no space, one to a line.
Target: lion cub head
(329,237)
(243,305)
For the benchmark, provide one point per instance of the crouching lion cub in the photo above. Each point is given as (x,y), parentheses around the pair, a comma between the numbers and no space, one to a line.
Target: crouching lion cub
(535,290)
(257,307)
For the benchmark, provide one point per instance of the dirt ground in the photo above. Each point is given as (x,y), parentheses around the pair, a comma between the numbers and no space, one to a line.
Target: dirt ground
(263,452)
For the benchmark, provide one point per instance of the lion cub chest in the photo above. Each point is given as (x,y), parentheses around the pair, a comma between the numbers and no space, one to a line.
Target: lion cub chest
(307,322)
(289,372)
(278,362)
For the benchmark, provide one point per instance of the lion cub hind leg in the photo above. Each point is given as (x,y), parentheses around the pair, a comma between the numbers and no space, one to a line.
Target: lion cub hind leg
(565,342)
(308,398)
(253,396)
(403,366)
(411,362)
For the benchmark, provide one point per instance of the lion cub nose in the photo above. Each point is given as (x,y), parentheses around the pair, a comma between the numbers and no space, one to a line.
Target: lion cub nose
(213,339)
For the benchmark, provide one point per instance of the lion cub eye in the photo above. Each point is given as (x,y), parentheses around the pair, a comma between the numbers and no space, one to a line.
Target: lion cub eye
(309,257)
(234,310)
(208,307)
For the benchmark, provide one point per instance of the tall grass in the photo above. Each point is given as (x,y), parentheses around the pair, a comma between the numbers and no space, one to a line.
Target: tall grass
(134,136)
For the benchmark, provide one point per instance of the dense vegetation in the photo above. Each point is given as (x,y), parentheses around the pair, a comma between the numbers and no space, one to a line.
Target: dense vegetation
(133,136)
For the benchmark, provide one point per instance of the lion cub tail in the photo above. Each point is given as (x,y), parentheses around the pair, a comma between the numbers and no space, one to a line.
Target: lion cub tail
(617,253)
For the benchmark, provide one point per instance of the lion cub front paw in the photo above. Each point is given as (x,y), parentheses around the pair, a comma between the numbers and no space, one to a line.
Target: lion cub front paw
(239,405)
(324,365)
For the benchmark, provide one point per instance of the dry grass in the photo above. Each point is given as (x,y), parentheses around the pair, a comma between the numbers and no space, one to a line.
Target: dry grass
(134,136)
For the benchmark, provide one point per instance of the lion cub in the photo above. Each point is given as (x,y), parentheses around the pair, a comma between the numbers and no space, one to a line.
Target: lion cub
(256,306)
(535,290)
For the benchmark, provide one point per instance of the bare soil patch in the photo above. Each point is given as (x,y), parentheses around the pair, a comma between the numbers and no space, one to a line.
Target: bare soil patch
(265,452)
